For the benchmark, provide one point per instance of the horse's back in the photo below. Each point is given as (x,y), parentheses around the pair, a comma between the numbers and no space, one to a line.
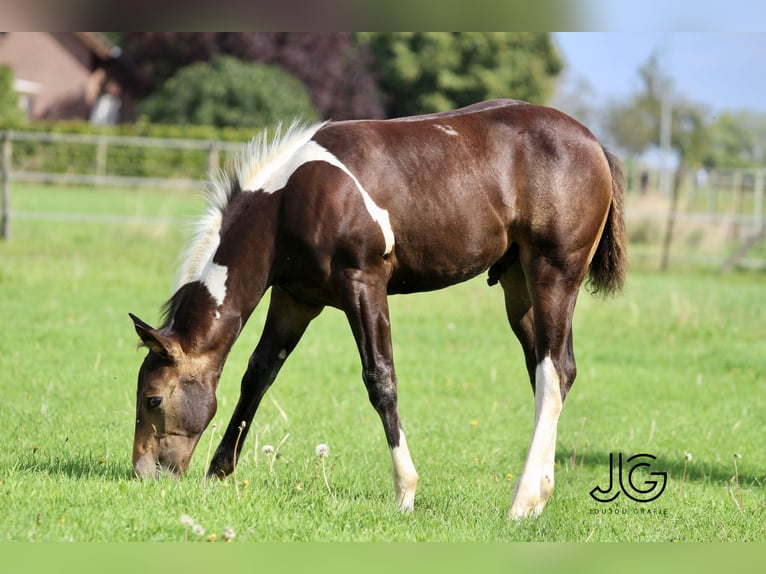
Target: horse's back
(460,187)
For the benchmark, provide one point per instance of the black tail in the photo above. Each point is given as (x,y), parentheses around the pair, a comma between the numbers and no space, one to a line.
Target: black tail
(609,265)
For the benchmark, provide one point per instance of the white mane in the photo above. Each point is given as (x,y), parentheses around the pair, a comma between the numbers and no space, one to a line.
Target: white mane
(261,157)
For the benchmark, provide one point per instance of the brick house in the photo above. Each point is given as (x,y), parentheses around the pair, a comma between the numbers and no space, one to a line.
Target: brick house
(69,75)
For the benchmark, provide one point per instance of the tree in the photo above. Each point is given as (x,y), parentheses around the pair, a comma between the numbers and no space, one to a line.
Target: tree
(435,71)
(229,92)
(737,139)
(635,123)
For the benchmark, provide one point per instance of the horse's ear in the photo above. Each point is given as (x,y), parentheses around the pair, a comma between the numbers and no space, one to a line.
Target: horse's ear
(164,346)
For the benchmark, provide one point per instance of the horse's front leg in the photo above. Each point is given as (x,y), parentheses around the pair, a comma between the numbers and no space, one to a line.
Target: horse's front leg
(286,322)
(366,306)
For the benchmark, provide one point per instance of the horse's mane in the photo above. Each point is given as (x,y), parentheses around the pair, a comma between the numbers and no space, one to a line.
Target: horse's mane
(261,156)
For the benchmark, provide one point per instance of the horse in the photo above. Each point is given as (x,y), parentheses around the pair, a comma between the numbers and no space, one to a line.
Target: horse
(344,214)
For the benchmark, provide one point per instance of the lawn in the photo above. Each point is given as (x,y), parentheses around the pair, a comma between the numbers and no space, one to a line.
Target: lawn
(674,365)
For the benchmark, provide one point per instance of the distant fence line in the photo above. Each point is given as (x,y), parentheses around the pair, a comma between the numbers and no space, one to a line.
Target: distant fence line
(104,160)
(728,198)
(88,159)
(722,209)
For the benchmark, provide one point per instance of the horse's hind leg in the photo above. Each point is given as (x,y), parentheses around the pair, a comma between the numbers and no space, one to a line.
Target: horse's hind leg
(540,310)
(286,322)
(366,308)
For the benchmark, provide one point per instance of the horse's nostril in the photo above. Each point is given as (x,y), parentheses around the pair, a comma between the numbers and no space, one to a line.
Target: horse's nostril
(153,402)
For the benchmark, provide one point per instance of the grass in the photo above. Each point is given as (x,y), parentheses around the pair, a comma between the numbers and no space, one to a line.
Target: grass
(674,365)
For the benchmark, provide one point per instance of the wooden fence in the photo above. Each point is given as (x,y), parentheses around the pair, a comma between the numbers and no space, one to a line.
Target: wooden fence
(102,160)
(715,218)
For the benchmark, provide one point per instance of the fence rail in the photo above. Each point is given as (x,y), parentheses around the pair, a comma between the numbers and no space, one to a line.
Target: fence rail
(105,160)
(725,207)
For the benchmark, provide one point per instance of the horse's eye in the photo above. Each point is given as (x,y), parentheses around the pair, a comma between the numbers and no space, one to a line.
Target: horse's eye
(153,402)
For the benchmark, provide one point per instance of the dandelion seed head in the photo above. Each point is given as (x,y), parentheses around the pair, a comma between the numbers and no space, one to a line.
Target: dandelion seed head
(267,449)
(187,520)
(322,450)
(229,534)
(688,456)
(198,529)
(737,455)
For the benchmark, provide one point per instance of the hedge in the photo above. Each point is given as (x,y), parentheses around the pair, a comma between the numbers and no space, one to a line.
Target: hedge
(124,160)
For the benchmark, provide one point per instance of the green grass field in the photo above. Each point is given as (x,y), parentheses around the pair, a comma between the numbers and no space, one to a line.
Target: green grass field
(674,365)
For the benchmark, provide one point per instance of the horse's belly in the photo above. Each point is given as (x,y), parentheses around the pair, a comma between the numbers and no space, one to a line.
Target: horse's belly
(428,270)
(410,282)
(432,258)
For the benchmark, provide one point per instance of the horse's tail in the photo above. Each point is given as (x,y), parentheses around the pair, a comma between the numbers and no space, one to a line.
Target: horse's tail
(609,264)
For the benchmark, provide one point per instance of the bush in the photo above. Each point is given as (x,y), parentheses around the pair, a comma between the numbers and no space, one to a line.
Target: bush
(230,92)
(9,99)
(69,157)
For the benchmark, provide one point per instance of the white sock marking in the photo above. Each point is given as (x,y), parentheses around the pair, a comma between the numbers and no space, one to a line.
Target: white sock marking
(405,475)
(535,485)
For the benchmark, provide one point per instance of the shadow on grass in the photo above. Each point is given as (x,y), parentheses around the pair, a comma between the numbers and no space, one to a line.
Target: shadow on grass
(696,470)
(75,466)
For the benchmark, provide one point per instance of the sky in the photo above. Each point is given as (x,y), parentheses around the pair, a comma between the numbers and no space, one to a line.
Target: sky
(722,70)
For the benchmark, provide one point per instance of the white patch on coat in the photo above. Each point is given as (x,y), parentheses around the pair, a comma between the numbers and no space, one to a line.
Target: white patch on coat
(449,130)
(260,154)
(214,278)
(266,164)
(535,485)
(273,177)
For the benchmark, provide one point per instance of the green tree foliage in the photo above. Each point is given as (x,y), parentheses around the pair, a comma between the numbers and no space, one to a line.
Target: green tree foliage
(435,71)
(9,99)
(636,122)
(230,92)
(737,139)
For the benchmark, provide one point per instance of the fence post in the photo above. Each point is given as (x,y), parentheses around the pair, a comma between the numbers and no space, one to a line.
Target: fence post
(213,159)
(760,175)
(736,205)
(5,213)
(101,154)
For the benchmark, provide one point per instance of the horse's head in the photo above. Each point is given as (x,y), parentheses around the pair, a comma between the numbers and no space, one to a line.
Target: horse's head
(175,402)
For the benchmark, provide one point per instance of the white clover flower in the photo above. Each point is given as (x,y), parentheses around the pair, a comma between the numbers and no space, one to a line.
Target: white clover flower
(229,534)
(322,450)
(198,530)
(187,520)
(267,449)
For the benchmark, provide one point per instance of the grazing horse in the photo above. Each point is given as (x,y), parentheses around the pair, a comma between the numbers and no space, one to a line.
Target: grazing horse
(343,214)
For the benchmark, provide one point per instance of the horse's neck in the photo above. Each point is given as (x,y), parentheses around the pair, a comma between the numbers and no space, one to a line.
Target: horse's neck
(223,292)
(201,325)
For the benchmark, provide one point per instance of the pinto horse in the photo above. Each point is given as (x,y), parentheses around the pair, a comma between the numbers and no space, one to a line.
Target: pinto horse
(343,214)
